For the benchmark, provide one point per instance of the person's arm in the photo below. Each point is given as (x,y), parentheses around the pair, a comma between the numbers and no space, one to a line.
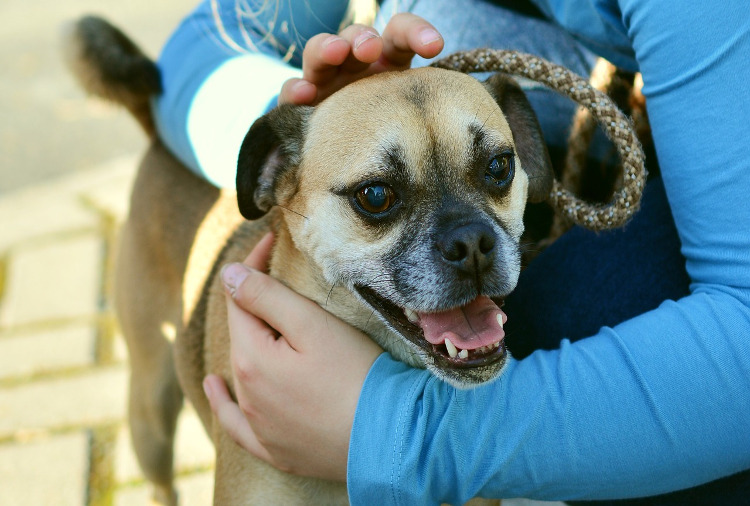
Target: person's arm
(223,67)
(658,403)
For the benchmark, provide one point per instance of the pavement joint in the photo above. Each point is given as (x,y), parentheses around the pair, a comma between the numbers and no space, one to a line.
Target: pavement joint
(102,484)
(3,275)
(12,382)
(53,323)
(34,434)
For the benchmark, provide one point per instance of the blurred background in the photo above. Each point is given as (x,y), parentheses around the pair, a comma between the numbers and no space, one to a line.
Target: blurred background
(66,166)
(47,127)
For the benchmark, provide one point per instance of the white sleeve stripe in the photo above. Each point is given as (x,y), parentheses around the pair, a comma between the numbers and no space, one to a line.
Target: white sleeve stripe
(224,107)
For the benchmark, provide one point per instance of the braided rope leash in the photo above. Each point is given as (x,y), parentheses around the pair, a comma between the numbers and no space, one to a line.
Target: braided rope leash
(618,128)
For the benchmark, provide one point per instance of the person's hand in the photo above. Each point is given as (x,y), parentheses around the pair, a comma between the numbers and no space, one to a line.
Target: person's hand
(297,377)
(330,62)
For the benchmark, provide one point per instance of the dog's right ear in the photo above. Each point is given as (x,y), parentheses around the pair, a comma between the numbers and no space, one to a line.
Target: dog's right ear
(527,134)
(271,152)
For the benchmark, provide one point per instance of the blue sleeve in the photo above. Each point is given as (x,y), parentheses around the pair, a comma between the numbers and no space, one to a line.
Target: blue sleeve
(658,403)
(267,38)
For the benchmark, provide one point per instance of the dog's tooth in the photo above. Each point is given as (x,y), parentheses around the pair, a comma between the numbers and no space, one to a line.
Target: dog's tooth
(411,315)
(452,350)
(463,354)
(500,319)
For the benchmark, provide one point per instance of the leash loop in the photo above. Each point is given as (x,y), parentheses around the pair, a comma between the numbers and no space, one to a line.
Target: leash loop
(617,127)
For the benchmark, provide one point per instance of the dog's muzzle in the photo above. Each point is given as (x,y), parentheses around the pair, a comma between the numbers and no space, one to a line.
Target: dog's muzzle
(456,340)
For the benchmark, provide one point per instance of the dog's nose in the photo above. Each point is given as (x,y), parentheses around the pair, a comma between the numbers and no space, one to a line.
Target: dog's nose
(469,248)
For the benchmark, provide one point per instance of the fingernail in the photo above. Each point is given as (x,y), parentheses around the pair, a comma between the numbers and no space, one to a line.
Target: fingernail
(300,84)
(363,37)
(428,36)
(206,387)
(233,275)
(330,40)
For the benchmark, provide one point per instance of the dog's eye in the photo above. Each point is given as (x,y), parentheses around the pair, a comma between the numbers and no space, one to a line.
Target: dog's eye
(500,170)
(376,198)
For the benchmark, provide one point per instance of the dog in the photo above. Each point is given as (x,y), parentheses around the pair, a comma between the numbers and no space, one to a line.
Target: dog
(397,205)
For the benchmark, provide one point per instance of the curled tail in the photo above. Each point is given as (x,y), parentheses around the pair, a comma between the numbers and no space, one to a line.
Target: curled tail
(109,65)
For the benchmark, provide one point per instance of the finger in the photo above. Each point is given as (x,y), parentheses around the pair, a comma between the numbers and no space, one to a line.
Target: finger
(407,34)
(233,274)
(261,296)
(231,418)
(298,92)
(250,336)
(261,253)
(322,56)
(366,44)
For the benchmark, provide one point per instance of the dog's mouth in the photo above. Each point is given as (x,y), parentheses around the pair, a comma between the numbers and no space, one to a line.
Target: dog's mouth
(469,336)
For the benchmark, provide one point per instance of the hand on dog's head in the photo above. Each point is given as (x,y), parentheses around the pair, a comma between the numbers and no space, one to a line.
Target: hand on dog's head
(274,143)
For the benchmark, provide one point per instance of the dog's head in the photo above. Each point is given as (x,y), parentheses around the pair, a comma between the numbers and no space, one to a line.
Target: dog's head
(409,190)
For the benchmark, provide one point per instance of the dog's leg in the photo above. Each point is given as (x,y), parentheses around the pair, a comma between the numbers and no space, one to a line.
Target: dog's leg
(143,298)
(154,247)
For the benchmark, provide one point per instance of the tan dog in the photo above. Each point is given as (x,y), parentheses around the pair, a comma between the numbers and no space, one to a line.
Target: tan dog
(397,204)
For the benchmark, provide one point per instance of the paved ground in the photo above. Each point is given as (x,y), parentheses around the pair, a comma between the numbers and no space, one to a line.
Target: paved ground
(47,128)
(66,166)
(63,372)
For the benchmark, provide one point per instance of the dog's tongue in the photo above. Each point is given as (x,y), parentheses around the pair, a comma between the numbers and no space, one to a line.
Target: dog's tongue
(468,327)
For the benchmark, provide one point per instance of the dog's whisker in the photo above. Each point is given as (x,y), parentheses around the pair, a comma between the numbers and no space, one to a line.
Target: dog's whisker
(292,211)
(328,297)
(367,323)
(476,114)
(486,120)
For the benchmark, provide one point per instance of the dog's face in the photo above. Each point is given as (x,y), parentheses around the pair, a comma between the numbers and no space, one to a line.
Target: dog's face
(409,190)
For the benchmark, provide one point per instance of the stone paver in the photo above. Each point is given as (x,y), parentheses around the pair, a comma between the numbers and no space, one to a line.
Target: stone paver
(50,471)
(40,212)
(62,348)
(87,399)
(55,281)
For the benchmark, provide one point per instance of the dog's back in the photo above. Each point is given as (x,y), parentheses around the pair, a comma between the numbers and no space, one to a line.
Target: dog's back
(170,209)
(178,231)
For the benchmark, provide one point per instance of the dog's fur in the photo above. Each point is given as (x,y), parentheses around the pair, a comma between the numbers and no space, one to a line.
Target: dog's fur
(425,138)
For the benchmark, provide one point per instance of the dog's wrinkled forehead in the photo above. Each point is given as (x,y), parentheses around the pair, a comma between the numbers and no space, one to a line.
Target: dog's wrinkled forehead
(412,116)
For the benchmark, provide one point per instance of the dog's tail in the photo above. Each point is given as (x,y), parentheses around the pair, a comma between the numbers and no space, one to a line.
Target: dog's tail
(109,65)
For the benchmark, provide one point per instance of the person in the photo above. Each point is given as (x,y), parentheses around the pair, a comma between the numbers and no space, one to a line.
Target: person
(630,376)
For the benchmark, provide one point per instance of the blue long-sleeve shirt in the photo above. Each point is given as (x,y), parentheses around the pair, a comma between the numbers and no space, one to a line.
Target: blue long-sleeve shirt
(658,403)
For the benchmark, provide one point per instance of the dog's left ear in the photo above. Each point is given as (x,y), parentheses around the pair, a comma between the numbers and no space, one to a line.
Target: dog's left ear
(270,153)
(527,134)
